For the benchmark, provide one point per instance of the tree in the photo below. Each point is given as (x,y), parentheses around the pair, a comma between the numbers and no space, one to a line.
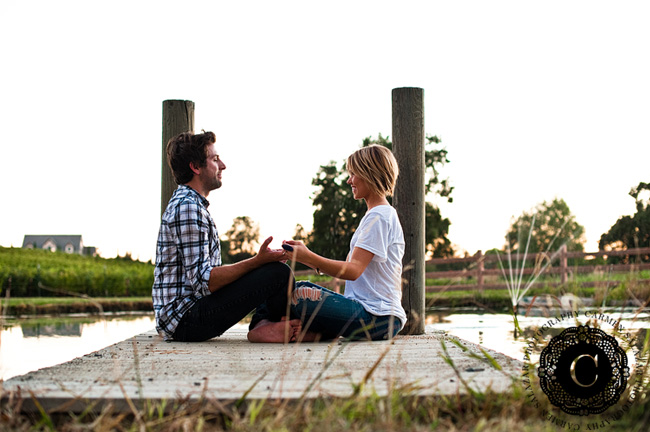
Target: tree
(300,233)
(436,229)
(338,214)
(631,231)
(241,241)
(554,225)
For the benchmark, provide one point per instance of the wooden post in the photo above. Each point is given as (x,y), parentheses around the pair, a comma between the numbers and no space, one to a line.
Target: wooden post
(480,268)
(408,147)
(178,117)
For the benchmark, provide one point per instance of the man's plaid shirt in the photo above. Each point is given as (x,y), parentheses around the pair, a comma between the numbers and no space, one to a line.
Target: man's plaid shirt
(187,250)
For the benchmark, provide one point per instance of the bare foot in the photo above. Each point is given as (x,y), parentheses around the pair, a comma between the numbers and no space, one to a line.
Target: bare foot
(309,337)
(275,332)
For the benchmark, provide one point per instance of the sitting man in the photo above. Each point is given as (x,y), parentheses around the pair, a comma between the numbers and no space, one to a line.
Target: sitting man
(195,298)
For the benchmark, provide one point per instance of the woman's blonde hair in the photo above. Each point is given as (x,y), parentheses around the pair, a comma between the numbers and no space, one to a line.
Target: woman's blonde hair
(376,165)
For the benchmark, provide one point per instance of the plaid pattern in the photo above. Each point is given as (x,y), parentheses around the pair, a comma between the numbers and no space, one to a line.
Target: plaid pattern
(187,249)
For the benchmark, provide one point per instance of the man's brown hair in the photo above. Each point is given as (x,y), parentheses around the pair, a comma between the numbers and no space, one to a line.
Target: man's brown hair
(185,148)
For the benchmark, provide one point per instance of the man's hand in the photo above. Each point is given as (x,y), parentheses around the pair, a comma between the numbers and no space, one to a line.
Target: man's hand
(223,275)
(266,255)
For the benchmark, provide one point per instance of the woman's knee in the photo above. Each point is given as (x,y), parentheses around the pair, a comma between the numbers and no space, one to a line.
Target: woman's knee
(304,292)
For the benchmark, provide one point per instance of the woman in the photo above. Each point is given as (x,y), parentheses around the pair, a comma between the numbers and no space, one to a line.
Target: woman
(371,307)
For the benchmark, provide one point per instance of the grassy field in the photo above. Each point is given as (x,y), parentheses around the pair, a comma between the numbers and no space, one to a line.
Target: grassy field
(496,301)
(21,306)
(37,273)
(627,288)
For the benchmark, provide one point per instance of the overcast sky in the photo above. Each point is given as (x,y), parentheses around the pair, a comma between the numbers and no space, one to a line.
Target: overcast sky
(533,101)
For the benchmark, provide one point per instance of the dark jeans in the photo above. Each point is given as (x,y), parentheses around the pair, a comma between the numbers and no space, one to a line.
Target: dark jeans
(332,315)
(264,288)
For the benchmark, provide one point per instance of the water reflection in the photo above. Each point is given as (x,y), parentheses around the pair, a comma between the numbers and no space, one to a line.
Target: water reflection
(30,344)
(496,331)
(56,329)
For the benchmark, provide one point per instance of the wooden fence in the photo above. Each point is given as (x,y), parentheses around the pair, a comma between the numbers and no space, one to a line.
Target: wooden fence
(554,264)
(485,268)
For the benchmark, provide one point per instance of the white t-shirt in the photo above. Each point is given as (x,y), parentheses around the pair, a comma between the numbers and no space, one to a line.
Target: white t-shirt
(379,288)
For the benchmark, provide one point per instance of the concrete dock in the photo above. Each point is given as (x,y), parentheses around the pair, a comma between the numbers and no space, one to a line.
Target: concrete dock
(228,368)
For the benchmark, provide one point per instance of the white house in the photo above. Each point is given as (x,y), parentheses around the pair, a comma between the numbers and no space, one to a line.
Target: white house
(64,243)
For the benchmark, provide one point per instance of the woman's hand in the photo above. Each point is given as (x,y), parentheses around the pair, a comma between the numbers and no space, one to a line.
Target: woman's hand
(300,252)
(347,270)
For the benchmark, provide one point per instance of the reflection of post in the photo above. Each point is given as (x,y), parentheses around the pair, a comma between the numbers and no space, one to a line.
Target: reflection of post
(563,264)
(178,116)
(408,146)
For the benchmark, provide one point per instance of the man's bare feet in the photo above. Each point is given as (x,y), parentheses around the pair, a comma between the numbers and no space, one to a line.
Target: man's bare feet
(308,337)
(275,332)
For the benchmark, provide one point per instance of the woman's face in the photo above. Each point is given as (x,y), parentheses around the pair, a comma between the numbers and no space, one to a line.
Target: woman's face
(360,188)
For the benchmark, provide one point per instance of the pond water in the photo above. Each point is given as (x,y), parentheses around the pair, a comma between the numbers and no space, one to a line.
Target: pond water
(30,344)
(33,343)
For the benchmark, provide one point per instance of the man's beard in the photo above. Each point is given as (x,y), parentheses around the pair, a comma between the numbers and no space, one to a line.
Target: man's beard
(211,183)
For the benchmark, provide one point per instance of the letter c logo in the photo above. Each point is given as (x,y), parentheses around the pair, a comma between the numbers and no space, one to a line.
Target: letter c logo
(573,369)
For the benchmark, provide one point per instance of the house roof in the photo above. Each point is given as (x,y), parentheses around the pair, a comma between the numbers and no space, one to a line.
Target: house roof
(59,240)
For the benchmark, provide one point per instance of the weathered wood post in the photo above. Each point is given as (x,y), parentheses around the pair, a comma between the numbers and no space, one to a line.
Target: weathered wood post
(408,147)
(178,116)
(563,264)
(480,268)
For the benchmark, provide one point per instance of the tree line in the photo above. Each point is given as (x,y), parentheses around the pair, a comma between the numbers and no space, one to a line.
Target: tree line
(336,215)
(543,228)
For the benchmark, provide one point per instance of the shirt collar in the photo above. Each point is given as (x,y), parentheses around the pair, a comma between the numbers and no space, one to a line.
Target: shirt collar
(201,198)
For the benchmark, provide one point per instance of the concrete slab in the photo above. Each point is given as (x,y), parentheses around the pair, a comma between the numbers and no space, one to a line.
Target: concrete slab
(228,368)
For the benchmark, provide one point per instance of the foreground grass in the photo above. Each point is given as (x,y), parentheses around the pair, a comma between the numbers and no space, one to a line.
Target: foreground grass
(400,411)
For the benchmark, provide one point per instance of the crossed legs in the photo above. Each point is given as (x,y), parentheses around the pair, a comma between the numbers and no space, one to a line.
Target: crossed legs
(264,288)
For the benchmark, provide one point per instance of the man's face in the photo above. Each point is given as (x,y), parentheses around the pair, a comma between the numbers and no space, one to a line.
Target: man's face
(211,174)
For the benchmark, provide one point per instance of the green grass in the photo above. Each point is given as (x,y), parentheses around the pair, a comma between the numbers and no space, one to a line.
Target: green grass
(628,286)
(40,301)
(401,410)
(575,279)
(36,273)
(490,300)
(20,306)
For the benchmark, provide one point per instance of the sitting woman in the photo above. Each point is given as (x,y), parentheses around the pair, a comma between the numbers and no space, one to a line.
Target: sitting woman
(371,307)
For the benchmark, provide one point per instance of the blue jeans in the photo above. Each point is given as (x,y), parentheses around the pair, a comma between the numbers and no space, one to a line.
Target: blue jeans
(264,289)
(333,315)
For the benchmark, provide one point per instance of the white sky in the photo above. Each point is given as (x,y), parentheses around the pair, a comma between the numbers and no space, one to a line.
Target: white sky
(532,100)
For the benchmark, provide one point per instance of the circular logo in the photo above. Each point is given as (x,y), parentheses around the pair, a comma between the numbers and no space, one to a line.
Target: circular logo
(583,371)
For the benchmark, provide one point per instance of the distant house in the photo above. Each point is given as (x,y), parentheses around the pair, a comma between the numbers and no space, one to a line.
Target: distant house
(72,244)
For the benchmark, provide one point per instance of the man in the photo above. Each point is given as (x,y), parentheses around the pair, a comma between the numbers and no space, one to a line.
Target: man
(195,298)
